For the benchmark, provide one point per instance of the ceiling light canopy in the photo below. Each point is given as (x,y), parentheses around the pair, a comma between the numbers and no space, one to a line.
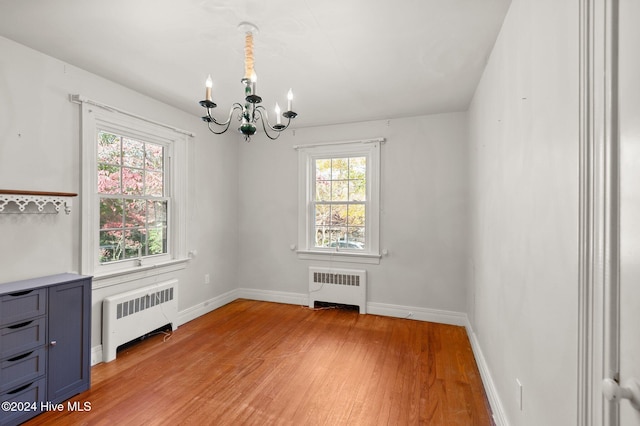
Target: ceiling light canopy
(250,113)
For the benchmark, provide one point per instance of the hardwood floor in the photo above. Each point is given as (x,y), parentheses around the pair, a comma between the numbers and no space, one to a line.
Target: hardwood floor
(259,363)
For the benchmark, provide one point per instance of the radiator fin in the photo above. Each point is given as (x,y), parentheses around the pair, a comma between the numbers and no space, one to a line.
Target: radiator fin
(339,279)
(141,303)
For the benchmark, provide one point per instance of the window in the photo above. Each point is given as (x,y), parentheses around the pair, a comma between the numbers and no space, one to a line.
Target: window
(133,201)
(133,192)
(339,201)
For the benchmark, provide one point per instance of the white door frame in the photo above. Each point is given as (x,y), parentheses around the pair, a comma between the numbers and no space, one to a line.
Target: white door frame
(598,308)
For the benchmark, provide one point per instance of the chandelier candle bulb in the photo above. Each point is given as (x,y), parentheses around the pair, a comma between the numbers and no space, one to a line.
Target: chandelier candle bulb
(254,80)
(289,100)
(208,84)
(278,120)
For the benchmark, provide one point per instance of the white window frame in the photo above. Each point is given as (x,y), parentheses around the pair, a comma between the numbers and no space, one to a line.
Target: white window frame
(307,155)
(98,117)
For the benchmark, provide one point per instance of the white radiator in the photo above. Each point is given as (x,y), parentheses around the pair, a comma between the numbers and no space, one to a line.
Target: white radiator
(133,314)
(346,286)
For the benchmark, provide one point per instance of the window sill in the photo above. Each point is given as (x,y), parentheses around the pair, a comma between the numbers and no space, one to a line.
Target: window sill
(339,256)
(109,279)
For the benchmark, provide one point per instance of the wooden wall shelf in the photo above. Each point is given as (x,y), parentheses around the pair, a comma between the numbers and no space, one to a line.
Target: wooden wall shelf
(18,201)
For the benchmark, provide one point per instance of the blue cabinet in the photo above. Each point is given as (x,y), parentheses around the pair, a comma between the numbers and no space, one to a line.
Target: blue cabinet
(45,326)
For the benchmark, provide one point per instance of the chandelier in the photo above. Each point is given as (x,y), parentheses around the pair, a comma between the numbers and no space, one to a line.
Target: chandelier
(250,113)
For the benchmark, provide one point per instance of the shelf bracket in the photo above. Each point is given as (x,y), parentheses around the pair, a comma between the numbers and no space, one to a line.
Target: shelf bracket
(35,202)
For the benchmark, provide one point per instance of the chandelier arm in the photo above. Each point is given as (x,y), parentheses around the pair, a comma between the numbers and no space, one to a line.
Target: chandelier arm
(213,119)
(226,124)
(233,108)
(265,124)
(278,128)
(217,133)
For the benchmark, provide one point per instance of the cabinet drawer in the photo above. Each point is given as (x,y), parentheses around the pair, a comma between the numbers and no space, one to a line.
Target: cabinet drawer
(28,398)
(22,337)
(23,305)
(21,369)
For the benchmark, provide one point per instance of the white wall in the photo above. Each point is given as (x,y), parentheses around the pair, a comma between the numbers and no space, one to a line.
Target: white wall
(524,212)
(40,150)
(424,215)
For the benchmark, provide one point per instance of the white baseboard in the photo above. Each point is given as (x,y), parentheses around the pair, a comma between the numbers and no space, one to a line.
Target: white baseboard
(206,306)
(420,314)
(96,355)
(398,311)
(499,415)
(274,296)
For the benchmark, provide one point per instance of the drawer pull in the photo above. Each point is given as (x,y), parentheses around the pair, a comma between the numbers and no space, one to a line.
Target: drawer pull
(22,324)
(19,357)
(53,343)
(20,293)
(21,388)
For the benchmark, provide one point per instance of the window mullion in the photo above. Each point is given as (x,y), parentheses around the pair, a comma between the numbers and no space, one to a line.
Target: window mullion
(338,202)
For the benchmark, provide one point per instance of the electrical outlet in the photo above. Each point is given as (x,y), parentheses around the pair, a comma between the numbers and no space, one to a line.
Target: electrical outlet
(207,279)
(519,394)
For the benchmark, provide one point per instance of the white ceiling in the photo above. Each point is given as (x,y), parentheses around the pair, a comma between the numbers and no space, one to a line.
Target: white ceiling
(346,60)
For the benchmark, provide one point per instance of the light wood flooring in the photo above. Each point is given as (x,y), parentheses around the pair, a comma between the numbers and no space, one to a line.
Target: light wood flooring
(259,363)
